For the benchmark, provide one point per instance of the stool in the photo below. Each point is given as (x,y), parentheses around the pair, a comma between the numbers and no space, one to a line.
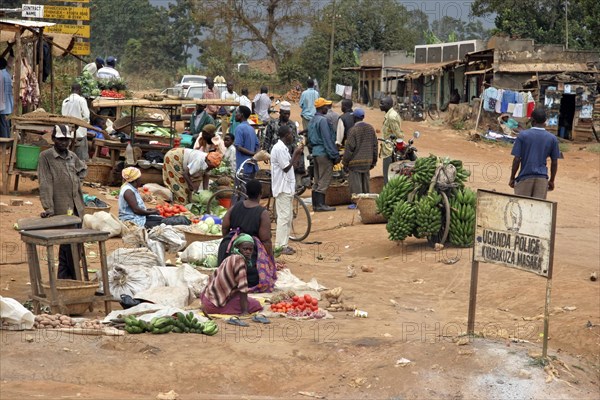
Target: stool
(50,238)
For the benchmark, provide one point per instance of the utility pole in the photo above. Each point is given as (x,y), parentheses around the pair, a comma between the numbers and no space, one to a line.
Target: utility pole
(330,73)
(566,25)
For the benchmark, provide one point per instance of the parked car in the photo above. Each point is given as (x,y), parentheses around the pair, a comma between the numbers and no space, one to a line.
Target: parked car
(196,91)
(189,80)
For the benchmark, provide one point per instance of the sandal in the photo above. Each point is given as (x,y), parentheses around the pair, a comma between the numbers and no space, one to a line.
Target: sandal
(261,319)
(236,321)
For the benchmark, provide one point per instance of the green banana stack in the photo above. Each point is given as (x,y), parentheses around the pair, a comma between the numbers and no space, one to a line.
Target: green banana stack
(424,170)
(402,222)
(462,174)
(462,221)
(428,215)
(397,189)
(181,324)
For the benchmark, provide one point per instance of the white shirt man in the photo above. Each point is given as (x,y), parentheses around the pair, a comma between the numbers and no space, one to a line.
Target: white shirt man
(109,71)
(283,185)
(76,106)
(262,103)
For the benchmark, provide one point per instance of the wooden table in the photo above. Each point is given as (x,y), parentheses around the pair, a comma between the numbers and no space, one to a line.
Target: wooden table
(73,237)
(115,147)
(5,143)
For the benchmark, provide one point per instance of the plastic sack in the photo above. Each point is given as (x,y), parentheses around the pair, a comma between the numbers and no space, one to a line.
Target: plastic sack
(13,316)
(134,235)
(185,276)
(134,257)
(197,251)
(158,191)
(123,279)
(288,281)
(104,221)
(174,240)
(177,296)
(158,248)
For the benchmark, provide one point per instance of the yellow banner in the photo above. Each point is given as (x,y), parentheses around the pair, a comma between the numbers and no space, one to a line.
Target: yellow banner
(72,13)
(81,49)
(75,30)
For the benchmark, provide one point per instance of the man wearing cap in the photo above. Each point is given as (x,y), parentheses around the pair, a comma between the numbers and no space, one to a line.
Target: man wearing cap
(76,106)
(392,125)
(325,153)
(60,173)
(109,71)
(307,103)
(360,154)
(93,67)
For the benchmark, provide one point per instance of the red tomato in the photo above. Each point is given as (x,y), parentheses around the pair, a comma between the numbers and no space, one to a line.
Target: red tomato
(315,302)
(307,298)
(295,298)
(301,300)
(314,308)
(302,307)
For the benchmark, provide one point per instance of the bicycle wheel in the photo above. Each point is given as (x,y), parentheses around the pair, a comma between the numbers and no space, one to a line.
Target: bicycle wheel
(213,202)
(433,112)
(301,221)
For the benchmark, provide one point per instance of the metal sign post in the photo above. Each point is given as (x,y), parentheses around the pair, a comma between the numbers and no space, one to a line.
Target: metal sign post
(516,232)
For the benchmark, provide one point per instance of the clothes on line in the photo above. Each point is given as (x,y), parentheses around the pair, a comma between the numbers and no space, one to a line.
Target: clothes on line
(343,91)
(519,104)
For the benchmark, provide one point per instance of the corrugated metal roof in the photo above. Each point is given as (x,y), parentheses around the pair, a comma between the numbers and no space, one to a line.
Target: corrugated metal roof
(424,66)
(26,23)
(542,67)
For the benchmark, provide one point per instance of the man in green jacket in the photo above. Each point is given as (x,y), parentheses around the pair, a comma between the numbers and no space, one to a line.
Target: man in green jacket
(199,119)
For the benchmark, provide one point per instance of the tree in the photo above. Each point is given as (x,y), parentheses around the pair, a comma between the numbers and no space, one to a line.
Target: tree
(544,21)
(448,28)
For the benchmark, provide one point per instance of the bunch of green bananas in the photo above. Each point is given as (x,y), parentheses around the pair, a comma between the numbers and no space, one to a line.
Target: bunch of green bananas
(134,325)
(462,221)
(402,222)
(428,215)
(158,325)
(462,174)
(210,328)
(424,170)
(395,190)
(190,324)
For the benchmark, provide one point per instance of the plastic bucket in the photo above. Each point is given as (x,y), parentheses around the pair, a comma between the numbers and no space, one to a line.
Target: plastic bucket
(27,157)
(225,202)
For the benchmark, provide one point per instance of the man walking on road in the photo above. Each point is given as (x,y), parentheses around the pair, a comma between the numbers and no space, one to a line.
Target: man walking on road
(307,103)
(76,106)
(60,172)
(360,154)
(283,185)
(391,126)
(531,151)
(325,153)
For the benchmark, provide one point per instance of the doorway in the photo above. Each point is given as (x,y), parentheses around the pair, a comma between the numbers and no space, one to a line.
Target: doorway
(566,116)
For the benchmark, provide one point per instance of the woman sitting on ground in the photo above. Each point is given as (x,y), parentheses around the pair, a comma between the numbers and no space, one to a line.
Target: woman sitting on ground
(227,289)
(249,217)
(132,207)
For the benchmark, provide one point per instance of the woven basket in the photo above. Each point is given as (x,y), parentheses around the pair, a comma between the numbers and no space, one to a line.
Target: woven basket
(376,184)
(337,195)
(98,173)
(71,290)
(91,210)
(368,211)
(191,237)
(264,176)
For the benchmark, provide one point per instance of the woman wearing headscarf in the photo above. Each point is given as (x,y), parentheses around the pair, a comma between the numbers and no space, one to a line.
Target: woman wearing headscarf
(132,207)
(227,290)
(182,166)
(207,142)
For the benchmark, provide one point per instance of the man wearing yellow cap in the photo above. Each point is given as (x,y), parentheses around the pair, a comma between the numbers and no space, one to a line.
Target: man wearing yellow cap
(60,172)
(325,154)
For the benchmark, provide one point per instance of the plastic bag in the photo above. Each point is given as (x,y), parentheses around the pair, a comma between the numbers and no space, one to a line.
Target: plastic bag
(104,221)
(197,251)
(14,316)
(134,257)
(174,240)
(123,279)
(288,281)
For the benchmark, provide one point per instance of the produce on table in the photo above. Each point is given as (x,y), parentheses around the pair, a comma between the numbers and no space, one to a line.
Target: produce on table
(413,205)
(462,222)
(43,321)
(181,324)
(299,306)
(167,210)
(148,128)
(89,85)
(112,93)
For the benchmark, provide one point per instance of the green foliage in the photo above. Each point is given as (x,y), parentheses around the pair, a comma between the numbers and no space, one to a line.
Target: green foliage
(449,29)
(289,71)
(545,21)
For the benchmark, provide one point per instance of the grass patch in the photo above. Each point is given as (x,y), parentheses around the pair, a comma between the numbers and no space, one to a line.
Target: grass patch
(595,148)
(564,147)
(459,125)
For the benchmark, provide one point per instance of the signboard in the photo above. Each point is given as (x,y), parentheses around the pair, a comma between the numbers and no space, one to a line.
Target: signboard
(82,31)
(515,231)
(81,48)
(56,12)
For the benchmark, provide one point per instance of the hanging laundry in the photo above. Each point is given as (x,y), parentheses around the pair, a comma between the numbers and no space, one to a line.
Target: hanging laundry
(518,111)
(339,90)
(498,106)
(348,92)
(489,98)
(511,108)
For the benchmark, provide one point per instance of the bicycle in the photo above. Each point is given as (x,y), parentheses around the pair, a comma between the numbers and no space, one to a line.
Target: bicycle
(301,220)
(432,111)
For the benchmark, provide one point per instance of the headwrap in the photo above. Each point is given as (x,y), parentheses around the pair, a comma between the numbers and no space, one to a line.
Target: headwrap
(130,174)
(214,158)
(285,106)
(62,131)
(242,238)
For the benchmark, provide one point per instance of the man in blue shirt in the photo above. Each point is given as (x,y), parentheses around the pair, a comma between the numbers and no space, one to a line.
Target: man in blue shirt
(246,142)
(307,103)
(531,151)
(6,99)
(325,154)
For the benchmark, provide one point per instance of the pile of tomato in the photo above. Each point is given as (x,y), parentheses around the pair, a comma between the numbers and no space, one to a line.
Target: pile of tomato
(168,210)
(298,303)
(112,93)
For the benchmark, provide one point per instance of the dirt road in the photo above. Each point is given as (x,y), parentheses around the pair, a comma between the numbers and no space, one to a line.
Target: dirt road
(349,357)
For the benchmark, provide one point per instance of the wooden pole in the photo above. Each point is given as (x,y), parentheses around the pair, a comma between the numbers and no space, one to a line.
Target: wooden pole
(40,43)
(546,318)
(52,78)
(473,297)
(479,113)
(331,44)
(17,67)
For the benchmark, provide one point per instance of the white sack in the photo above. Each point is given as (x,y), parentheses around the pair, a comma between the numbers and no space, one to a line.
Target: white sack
(158,248)
(174,240)
(14,316)
(197,251)
(104,221)
(167,296)
(288,281)
(141,257)
(185,276)
(158,191)
(130,280)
